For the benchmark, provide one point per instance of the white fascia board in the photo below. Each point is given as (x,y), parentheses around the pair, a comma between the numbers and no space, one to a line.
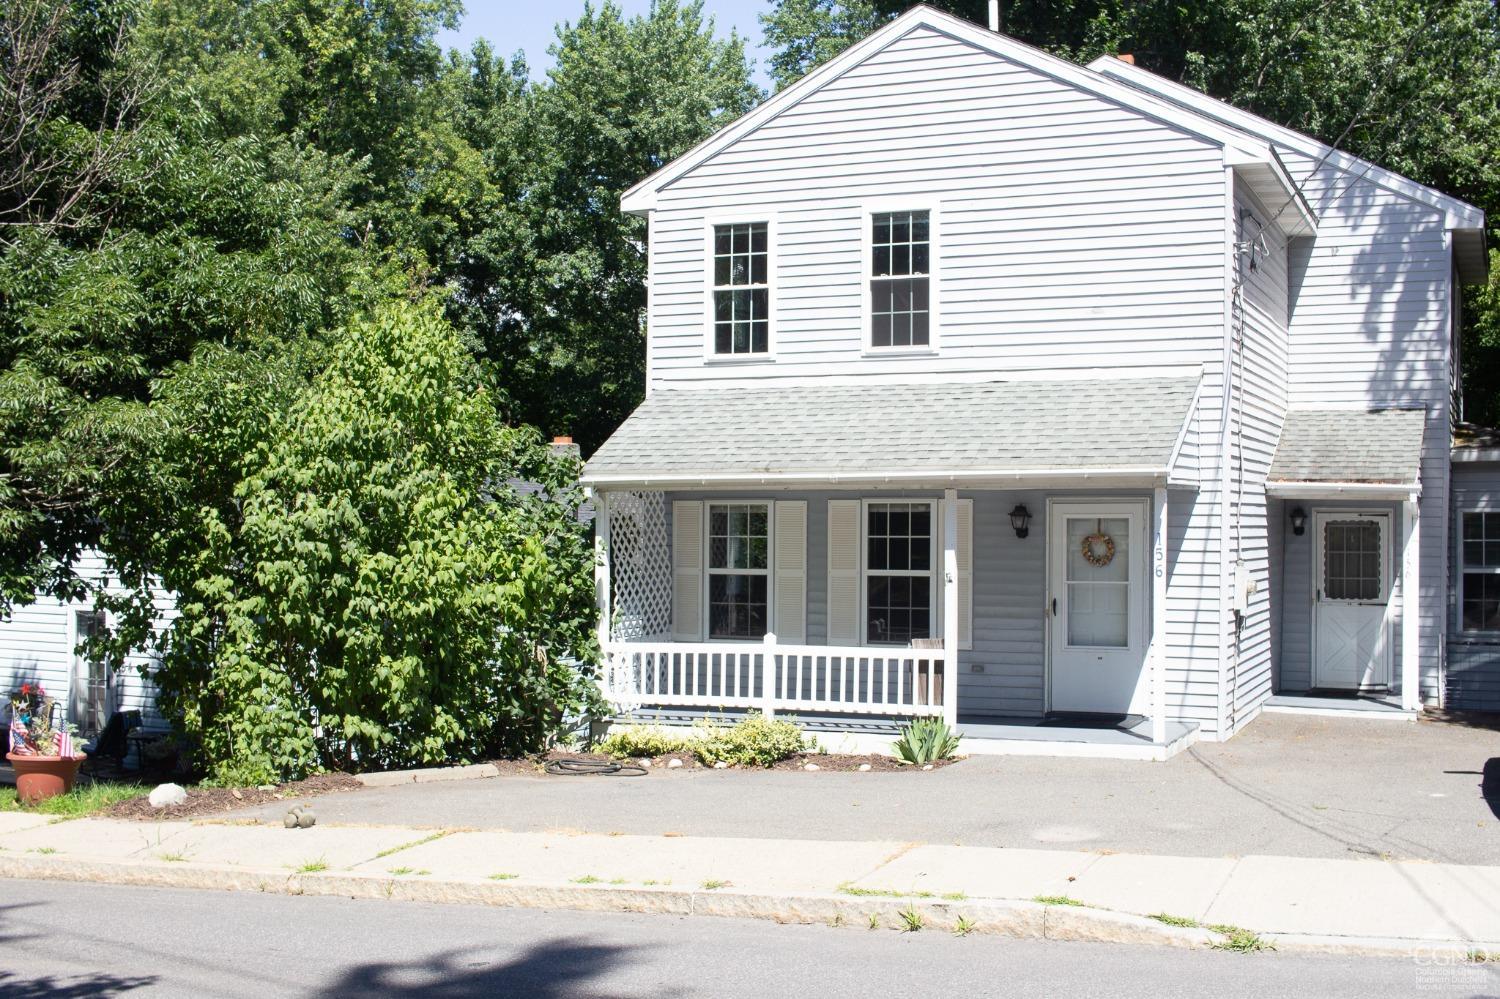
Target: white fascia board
(1460,214)
(1350,490)
(642,197)
(1136,476)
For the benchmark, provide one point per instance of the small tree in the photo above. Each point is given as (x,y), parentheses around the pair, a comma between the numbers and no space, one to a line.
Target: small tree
(388,598)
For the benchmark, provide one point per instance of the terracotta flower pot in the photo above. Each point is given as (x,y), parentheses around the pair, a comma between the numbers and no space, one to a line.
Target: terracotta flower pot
(41,777)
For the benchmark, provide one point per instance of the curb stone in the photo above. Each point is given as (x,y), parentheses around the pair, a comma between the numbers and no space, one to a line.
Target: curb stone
(390,778)
(998,917)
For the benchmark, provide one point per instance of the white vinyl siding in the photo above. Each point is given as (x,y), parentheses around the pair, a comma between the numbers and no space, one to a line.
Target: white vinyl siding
(1069,226)
(38,644)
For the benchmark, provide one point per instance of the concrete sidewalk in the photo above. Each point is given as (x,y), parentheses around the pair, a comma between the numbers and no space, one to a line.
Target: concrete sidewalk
(1296,903)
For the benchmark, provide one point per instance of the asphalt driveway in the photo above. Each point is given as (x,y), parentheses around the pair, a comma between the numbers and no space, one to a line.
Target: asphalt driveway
(1287,785)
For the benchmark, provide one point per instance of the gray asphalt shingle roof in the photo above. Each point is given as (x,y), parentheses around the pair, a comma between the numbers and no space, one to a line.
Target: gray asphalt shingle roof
(1342,445)
(847,429)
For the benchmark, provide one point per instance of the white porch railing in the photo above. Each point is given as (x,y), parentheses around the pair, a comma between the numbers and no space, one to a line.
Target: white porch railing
(901,682)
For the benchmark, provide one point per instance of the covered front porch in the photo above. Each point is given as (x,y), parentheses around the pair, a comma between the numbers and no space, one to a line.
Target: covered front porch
(1029,609)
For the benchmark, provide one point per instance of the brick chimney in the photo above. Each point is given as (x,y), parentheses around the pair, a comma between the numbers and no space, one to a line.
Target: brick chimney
(1126,57)
(563,444)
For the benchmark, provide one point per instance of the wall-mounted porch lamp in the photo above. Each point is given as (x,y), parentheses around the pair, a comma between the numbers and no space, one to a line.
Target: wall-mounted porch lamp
(1299,521)
(1020,518)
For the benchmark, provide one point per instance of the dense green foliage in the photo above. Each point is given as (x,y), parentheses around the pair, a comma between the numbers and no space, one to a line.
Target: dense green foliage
(1413,85)
(387,599)
(206,208)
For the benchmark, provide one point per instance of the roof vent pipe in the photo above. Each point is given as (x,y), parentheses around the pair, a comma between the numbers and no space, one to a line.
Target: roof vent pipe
(994,15)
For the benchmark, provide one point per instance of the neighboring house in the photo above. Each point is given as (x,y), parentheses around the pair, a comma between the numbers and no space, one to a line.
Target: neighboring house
(41,642)
(1064,402)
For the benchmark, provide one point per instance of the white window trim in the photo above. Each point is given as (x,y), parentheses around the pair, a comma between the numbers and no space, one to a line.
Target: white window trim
(769,571)
(1463,569)
(934,589)
(867,211)
(710,220)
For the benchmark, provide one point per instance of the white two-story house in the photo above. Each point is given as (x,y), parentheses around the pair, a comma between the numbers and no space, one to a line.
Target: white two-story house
(1063,402)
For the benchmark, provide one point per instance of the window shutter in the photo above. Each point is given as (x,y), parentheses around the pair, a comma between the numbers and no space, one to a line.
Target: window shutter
(687,571)
(965,574)
(843,572)
(790,586)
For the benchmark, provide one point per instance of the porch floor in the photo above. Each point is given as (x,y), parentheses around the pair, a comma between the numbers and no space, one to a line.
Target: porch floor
(980,734)
(1339,704)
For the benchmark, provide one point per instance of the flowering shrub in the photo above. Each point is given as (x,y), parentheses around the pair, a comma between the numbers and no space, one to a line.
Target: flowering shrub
(31,729)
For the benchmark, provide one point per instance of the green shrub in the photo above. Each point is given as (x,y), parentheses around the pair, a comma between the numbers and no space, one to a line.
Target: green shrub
(643,740)
(756,741)
(926,740)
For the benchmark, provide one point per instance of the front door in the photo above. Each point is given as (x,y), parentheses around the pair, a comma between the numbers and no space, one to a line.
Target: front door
(1351,600)
(90,697)
(1097,633)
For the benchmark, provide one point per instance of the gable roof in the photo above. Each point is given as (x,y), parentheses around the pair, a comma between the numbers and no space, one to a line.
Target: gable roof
(900,433)
(1466,221)
(1240,148)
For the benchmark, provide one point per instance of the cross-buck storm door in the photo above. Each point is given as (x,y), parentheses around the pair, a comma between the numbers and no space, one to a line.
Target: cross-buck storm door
(1351,600)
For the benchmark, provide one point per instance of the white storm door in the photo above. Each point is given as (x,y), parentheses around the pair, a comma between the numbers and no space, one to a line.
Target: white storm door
(1096,607)
(1351,600)
(91,693)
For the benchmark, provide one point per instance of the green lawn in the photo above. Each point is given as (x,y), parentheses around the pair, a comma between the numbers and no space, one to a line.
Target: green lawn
(84,799)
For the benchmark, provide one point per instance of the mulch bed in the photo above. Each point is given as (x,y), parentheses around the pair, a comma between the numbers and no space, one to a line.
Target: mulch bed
(532,766)
(203,801)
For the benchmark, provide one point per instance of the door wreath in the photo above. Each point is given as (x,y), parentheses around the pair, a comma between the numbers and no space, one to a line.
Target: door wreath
(1099,550)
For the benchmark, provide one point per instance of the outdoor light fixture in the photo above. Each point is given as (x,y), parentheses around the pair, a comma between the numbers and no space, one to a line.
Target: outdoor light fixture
(1020,517)
(1299,521)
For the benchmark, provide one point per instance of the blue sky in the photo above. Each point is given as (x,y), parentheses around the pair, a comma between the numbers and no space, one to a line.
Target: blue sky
(528,25)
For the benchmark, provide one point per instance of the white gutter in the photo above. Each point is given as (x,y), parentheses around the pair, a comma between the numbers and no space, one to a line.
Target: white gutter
(1326,490)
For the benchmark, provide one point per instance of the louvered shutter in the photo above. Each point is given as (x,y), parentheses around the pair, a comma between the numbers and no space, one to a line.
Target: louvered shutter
(687,571)
(843,572)
(790,584)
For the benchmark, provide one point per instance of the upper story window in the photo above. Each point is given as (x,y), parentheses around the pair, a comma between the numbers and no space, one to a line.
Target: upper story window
(1479,599)
(900,273)
(741,289)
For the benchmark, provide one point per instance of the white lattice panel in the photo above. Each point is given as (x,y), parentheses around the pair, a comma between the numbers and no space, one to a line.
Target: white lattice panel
(641,566)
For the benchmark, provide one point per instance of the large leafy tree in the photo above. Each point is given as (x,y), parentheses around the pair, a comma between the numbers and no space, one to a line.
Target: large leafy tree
(383,596)
(551,277)
(1411,84)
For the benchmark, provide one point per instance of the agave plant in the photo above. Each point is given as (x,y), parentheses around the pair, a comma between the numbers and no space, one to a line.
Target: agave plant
(926,740)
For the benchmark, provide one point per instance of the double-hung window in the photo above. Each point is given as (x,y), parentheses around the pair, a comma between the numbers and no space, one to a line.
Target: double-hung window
(739,536)
(899,590)
(1479,601)
(741,289)
(900,279)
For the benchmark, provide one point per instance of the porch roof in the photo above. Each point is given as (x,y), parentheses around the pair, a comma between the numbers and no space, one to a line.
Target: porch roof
(1098,430)
(1344,450)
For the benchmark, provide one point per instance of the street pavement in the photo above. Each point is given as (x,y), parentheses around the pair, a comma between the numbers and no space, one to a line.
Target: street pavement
(64,940)
(1290,786)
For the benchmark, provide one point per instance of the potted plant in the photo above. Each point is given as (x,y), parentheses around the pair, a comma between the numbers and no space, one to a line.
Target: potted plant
(41,753)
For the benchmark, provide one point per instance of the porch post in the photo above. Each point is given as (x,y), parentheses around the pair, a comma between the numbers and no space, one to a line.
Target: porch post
(950,607)
(1159,619)
(1411,604)
(601,565)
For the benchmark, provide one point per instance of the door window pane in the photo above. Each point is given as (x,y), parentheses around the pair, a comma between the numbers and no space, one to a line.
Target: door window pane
(1098,580)
(1351,560)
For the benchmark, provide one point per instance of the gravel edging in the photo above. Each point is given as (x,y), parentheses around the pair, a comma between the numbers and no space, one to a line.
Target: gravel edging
(999,917)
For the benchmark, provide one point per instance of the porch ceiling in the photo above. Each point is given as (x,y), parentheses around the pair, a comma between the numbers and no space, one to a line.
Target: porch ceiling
(1094,430)
(1348,451)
